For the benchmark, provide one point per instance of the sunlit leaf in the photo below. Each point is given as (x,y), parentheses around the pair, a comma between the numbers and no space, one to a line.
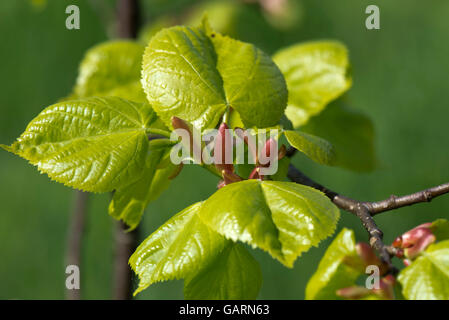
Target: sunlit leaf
(312,146)
(111,69)
(333,273)
(282,218)
(440,228)
(316,73)
(93,144)
(427,278)
(178,249)
(196,73)
(233,274)
(129,203)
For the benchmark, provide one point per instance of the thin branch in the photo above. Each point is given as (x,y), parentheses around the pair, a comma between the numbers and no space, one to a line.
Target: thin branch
(395,202)
(125,242)
(128,18)
(75,237)
(366,210)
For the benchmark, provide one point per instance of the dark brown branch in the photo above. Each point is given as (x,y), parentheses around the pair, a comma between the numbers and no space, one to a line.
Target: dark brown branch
(128,18)
(125,242)
(395,202)
(366,210)
(75,237)
(125,245)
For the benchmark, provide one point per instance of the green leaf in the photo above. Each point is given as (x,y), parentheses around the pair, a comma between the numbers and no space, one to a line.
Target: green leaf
(233,275)
(351,133)
(161,180)
(427,278)
(282,218)
(196,73)
(178,249)
(111,69)
(93,144)
(129,203)
(316,73)
(440,228)
(312,146)
(333,273)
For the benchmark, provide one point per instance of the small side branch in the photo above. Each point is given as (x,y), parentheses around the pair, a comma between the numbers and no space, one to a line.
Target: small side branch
(366,210)
(395,202)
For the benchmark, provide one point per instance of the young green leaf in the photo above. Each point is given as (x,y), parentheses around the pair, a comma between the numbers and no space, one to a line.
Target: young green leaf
(93,144)
(440,228)
(196,73)
(178,249)
(316,73)
(312,146)
(427,278)
(351,133)
(282,218)
(111,69)
(333,273)
(129,203)
(233,275)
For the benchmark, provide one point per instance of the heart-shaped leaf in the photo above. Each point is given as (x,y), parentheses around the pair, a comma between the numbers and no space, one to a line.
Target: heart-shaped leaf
(92,144)
(312,146)
(111,69)
(233,275)
(283,218)
(129,203)
(196,74)
(333,273)
(316,73)
(178,249)
(427,278)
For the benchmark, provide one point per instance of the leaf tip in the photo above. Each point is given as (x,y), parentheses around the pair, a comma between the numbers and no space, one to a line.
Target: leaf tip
(7,148)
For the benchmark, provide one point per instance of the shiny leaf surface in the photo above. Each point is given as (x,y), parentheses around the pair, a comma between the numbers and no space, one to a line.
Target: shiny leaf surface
(282,218)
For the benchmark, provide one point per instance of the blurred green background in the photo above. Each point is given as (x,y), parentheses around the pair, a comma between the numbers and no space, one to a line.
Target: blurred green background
(401,81)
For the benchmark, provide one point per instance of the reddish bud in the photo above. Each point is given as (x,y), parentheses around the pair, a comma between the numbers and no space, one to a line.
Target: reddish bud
(194,148)
(221,184)
(415,240)
(268,152)
(367,254)
(386,290)
(282,152)
(176,171)
(369,257)
(397,243)
(223,149)
(230,177)
(399,253)
(412,236)
(178,123)
(426,240)
(249,140)
(255,174)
